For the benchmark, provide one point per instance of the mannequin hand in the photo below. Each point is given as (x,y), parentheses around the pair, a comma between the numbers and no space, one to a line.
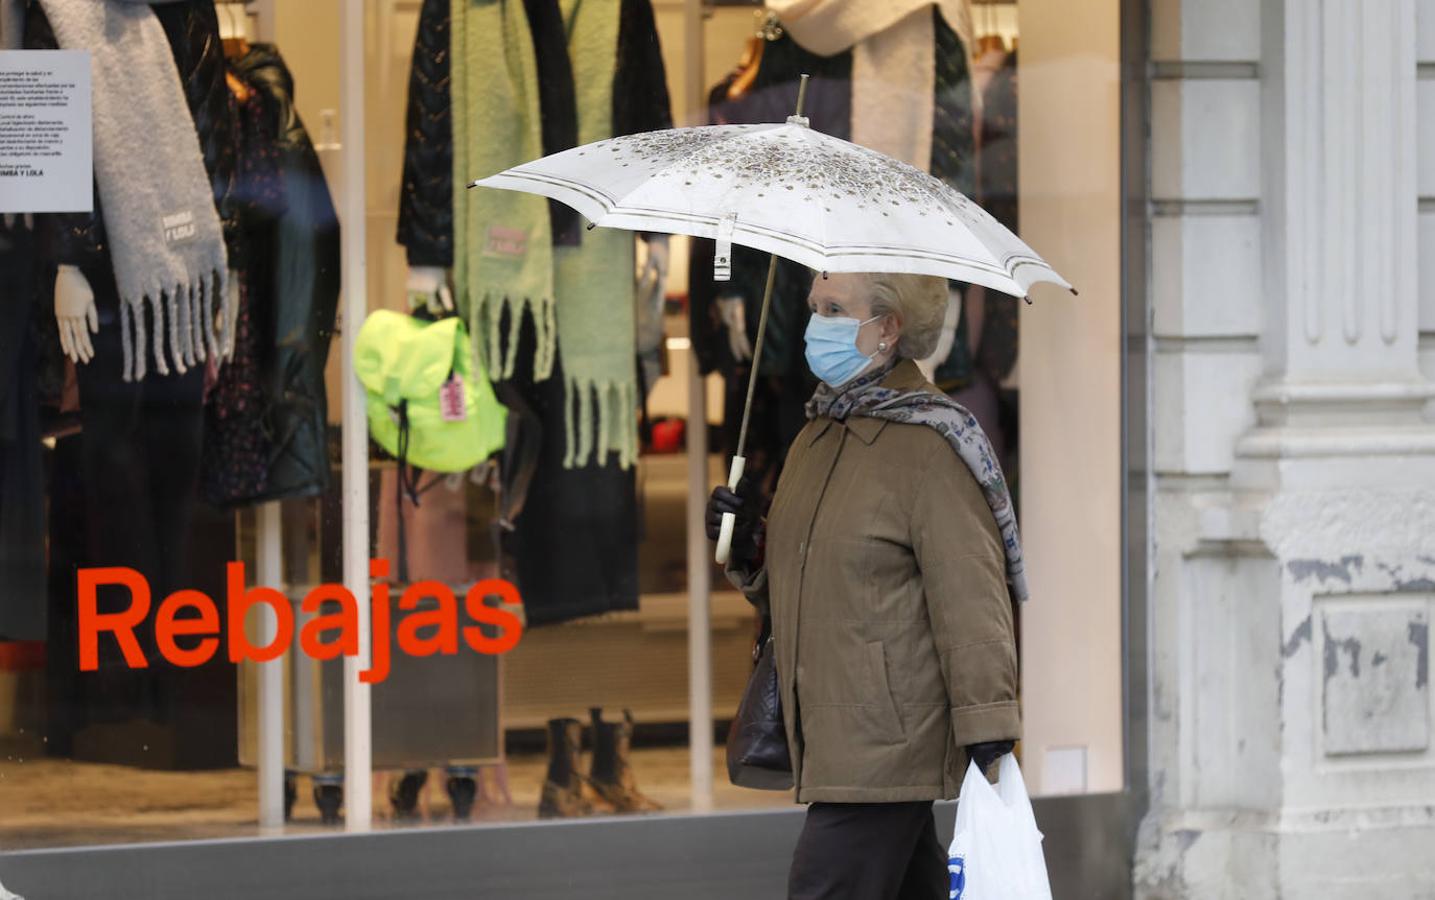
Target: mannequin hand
(986,754)
(734,317)
(655,264)
(428,286)
(747,532)
(75,314)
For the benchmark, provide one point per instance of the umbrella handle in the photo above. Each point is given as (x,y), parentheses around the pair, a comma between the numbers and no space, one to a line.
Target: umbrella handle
(724,542)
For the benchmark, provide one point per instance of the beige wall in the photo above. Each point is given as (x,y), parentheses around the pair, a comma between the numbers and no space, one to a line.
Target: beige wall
(1070,395)
(307,34)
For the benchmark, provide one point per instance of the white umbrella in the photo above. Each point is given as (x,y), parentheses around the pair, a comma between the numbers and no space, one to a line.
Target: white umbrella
(797,193)
(815,199)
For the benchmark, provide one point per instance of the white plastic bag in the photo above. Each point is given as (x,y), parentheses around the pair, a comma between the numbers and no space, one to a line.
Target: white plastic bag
(996,851)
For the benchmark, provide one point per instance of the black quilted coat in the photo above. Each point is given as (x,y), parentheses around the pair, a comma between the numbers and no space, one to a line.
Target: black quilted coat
(291,257)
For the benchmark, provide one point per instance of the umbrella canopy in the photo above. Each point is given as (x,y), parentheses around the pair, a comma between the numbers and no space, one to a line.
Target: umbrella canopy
(826,203)
(794,192)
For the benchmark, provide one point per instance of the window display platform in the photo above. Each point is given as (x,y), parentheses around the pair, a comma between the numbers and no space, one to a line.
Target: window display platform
(58,803)
(635,660)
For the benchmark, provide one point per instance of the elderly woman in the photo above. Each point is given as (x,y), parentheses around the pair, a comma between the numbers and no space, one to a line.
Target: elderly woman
(889,562)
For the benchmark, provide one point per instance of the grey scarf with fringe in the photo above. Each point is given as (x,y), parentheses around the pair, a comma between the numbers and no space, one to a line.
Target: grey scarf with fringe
(166,241)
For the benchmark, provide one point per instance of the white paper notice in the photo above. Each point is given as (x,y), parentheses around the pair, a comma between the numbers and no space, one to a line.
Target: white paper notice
(46,134)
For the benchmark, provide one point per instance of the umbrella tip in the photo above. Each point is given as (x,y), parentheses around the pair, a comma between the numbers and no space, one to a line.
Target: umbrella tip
(472,185)
(1075,292)
(592,225)
(1028,300)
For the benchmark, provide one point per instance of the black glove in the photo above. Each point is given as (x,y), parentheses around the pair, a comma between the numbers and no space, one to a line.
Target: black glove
(986,754)
(747,530)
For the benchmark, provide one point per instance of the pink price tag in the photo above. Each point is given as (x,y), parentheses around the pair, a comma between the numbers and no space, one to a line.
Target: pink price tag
(450,400)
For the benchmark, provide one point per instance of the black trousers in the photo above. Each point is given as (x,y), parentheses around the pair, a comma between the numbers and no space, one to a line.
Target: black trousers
(869,851)
(141,446)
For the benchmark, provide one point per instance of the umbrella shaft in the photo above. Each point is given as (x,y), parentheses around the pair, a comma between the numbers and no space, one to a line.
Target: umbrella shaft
(756,355)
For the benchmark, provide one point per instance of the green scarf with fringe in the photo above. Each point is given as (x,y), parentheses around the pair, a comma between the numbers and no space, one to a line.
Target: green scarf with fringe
(580,298)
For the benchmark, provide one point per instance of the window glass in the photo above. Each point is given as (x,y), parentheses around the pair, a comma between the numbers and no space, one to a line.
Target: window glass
(547,408)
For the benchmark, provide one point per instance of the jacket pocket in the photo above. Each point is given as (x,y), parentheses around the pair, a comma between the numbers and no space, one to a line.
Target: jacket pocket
(880,694)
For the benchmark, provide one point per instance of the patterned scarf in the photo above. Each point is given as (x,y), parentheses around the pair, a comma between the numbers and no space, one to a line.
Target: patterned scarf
(865,396)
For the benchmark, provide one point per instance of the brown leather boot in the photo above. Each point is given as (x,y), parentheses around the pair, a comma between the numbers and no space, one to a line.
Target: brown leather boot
(612,770)
(562,795)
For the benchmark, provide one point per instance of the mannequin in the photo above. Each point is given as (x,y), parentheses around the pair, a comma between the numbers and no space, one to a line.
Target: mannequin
(141,427)
(78,318)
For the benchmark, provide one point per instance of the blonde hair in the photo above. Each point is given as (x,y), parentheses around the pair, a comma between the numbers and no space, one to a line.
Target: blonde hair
(920,304)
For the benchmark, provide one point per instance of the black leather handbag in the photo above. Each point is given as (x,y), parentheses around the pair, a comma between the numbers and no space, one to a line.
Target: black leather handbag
(757,753)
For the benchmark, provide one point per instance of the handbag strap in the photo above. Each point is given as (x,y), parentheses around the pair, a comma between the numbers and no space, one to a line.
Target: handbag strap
(764,637)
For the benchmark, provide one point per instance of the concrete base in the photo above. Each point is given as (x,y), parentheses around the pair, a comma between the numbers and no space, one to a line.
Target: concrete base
(1333,854)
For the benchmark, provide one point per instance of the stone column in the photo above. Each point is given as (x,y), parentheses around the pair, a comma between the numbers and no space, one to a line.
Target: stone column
(1295,565)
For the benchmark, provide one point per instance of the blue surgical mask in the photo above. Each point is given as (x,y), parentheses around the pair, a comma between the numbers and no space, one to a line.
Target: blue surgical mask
(832,352)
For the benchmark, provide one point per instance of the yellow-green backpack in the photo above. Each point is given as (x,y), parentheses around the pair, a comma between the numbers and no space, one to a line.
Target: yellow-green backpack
(430,403)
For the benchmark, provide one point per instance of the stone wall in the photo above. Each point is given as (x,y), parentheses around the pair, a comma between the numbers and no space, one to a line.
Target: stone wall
(1293,310)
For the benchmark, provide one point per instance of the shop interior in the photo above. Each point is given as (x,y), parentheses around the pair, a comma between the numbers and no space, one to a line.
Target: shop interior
(592,713)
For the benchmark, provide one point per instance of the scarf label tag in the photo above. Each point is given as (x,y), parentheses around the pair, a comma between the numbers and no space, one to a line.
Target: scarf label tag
(512,242)
(179,228)
(451,400)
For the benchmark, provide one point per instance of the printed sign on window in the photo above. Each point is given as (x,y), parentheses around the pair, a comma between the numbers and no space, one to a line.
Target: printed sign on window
(46,134)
